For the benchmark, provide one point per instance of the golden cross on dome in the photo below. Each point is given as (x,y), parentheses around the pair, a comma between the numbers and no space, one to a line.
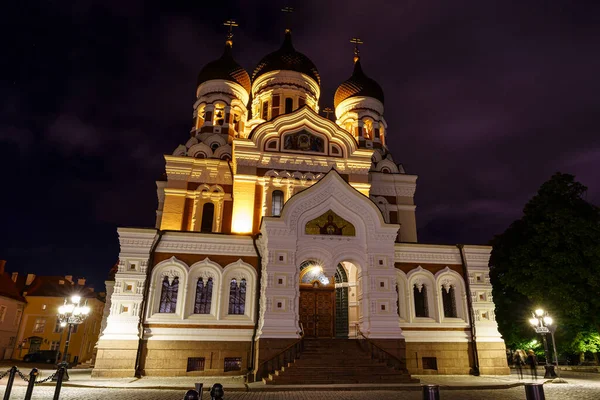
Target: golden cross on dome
(230,23)
(356,42)
(288,16)
(327,111)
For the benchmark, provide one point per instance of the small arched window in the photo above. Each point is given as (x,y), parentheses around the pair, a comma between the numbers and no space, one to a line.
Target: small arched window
(237,297)
(276,202)
(203,296)
(449,300)
(208,213)
(168,295)
(421,307)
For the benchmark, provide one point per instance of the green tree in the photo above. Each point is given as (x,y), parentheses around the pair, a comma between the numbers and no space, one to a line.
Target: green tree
(549,258)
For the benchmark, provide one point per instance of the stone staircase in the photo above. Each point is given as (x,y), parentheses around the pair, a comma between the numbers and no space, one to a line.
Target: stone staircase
(336,361)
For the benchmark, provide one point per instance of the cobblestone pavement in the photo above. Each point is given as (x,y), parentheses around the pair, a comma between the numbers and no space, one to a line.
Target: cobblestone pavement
(555,392)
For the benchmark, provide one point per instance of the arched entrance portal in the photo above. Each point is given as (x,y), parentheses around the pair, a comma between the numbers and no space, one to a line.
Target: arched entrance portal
(323,301)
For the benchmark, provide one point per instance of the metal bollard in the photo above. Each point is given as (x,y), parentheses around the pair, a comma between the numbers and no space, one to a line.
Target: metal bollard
(191,395)
(59,380)
(534,391)
(431,392)
(11,379)
(216,392)
(199,387)
(32,375)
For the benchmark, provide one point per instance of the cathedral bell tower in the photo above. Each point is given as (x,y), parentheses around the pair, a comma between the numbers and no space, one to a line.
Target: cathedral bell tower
(359,106)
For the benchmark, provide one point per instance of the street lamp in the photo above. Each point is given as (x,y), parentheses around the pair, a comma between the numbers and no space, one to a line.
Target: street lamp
(541,321)
(69,314)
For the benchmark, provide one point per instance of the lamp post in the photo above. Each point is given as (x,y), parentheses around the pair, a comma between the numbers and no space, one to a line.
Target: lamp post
(541,321)
(70,314)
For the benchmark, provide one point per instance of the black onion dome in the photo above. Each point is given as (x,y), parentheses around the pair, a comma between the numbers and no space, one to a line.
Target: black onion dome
(287,58)
(358,84)
(225,68)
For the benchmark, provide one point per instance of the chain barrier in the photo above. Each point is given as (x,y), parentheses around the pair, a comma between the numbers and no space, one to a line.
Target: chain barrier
(26,379)
(5,373)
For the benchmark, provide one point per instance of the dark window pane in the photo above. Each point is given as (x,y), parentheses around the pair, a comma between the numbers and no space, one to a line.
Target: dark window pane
(233,364)
(237,297)
(208,213)
(449,300)
(168,295)
(289,105)
(203,296)
(421,308)
(195,364)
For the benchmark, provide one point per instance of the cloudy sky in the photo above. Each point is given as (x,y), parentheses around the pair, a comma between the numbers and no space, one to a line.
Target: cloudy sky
(485,100)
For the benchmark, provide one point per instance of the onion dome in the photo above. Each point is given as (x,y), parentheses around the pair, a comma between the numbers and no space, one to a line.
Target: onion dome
(358,84)
(288,59)
(225,68)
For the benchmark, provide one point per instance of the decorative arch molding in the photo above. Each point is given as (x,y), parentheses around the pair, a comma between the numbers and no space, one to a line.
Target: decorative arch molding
(205,269)
(419,278)
(200,148)
(304,118)
(239,270)
(404,295)
(387,165)
(171,268)
(444,279)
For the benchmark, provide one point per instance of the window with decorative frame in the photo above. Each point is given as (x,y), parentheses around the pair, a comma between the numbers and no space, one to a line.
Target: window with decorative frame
(168,295)
(237,297)
(208,214)
(276,203)
(203,301)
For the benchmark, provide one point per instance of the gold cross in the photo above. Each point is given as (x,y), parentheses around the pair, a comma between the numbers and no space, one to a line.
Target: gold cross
(327,111)
(288,13)
(356,42)
(230,23)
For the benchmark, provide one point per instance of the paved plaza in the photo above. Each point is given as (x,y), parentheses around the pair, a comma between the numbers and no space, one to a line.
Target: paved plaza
(580,386)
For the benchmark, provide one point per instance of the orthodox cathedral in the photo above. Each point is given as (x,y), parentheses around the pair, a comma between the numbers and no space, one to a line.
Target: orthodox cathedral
(277,225)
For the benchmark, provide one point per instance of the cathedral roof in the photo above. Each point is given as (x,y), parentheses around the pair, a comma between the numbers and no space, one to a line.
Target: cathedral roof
(225,68)
(287,58)
(359,84)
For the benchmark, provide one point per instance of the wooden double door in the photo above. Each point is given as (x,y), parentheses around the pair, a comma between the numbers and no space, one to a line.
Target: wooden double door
(317,305)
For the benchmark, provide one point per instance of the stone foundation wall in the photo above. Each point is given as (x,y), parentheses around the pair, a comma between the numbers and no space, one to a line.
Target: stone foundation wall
(452,358)
(115,359)
(170,358)
(456,358)
(492,358)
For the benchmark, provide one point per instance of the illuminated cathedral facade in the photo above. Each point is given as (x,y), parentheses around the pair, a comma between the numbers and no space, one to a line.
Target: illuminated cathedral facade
(276,223)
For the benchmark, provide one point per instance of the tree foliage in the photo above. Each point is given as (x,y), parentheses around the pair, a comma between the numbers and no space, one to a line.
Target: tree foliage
(550,258)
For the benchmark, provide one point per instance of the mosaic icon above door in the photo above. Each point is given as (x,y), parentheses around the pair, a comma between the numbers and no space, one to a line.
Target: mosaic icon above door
(330,224)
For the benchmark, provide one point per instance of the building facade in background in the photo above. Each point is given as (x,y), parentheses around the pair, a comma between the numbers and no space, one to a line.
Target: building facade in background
(12,304)
(274,220)
(40,328)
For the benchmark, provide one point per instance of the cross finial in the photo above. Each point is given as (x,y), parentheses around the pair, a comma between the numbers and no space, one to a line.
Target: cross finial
(230,23)
(288,13)
(327,111)
(356,42)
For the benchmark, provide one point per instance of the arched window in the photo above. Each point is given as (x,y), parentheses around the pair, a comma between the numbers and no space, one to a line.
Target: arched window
(449,300)
(203,296)
(237,297)
(208,213)
(276,202)
(168,295)
(421,308)
(289,105)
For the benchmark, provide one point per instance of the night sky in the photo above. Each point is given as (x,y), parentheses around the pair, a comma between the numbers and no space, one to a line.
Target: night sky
(485,100)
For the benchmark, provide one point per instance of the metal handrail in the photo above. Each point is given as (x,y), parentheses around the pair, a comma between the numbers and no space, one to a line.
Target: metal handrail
(400,364)
(297,349)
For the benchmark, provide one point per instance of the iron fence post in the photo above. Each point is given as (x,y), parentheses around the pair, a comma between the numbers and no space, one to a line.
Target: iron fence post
(59,380)
(191,395)
(431,392)
(217,392)
(534,391)
(11,379)
(32,375)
